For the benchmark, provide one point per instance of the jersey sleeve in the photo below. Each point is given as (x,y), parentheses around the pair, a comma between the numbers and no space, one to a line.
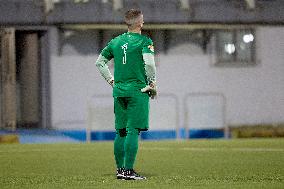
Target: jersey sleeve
(101,64)
(150,68)
(107,51)
(148,57)
(148,47)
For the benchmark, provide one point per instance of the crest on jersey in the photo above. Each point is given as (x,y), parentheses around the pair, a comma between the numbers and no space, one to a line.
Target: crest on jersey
(151,48)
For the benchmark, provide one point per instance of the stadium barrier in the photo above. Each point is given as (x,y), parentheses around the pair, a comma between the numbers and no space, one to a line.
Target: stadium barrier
(203,115)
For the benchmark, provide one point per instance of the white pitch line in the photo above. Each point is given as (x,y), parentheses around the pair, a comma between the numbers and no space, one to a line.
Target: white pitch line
(259,149)
(216,149)
(200,149)
(41,150)
(156,148)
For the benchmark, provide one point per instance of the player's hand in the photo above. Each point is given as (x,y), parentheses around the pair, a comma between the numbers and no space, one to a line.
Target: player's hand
(151,90)
(111,82)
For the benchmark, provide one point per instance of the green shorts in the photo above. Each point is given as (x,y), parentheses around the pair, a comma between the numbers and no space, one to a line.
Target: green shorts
(132,112)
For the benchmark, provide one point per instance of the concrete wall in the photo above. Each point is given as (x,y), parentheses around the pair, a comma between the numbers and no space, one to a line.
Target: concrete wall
(253,94)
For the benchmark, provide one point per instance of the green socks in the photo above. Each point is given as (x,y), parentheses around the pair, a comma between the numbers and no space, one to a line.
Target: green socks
(125,148)
(119,152)
(131,147)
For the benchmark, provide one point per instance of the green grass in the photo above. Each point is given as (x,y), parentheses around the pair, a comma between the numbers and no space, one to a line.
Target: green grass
(220,164)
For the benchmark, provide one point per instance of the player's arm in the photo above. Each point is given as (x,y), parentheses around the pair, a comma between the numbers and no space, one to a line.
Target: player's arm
(102,64)
(150,69)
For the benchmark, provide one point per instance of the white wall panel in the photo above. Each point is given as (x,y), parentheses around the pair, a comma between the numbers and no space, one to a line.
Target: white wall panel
(254,94)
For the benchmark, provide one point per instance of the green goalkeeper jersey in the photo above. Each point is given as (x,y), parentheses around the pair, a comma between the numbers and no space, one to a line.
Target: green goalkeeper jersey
(127,50)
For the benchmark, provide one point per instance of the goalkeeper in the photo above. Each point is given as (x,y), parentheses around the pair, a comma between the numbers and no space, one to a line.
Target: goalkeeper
(133,83)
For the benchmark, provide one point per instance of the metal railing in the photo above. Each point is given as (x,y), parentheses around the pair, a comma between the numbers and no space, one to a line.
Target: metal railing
(205,94)
(161,95)
(174,97)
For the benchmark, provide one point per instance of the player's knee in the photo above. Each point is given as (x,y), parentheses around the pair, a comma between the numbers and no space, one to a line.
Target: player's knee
(132,131)
(121,132)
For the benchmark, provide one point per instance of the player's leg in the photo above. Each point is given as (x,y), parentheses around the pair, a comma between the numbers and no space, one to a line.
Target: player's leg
(120,125)
(138,119)
(119,152)
(131,147)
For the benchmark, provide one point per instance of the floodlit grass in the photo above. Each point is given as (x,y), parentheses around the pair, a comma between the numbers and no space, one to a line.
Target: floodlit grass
(220,164)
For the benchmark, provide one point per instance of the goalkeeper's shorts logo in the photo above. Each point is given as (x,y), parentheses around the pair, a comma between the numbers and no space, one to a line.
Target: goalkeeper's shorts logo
(151,47)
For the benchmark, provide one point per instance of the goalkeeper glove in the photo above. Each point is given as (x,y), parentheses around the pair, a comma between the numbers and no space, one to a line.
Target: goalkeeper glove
(151,90)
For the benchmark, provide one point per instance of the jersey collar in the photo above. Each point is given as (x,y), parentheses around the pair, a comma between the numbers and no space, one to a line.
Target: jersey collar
(133,33)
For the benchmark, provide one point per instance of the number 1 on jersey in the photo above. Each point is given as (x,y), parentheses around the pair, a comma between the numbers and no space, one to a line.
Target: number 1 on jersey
(124,47)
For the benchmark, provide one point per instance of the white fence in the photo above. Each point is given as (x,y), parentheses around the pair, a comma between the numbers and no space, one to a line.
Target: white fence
(205,111)
(200,111)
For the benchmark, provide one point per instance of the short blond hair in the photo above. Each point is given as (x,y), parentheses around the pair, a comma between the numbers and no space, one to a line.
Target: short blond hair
(132,18)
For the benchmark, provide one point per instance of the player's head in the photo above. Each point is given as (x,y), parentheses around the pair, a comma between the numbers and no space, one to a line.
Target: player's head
(134,19)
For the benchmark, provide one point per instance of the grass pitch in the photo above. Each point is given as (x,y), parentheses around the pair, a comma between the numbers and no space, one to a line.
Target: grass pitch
(202,164)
